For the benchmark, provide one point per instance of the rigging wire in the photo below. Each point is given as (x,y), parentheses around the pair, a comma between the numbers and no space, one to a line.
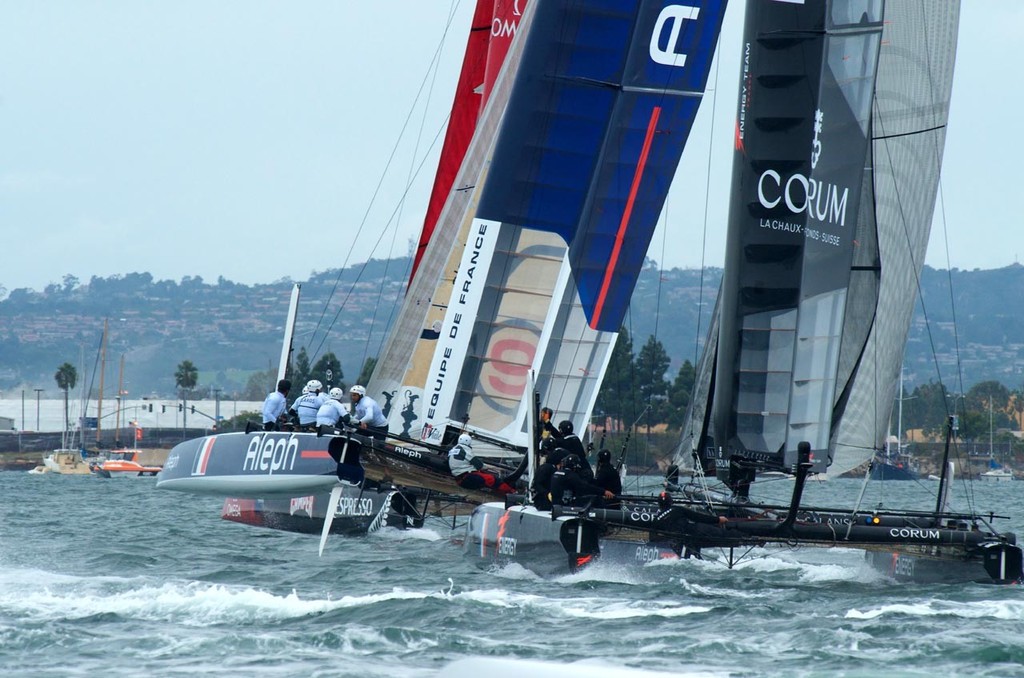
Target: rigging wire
(408,180)
(376,191)
(377,244)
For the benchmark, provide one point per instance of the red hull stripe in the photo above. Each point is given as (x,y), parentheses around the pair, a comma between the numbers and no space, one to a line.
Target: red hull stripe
(315,454)
(207,449)
(626,214)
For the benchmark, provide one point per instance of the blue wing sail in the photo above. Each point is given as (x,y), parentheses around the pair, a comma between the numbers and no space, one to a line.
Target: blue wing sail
(603,102)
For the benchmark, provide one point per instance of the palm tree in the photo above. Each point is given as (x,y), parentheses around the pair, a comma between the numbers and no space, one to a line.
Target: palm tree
(66,378)
(185,378)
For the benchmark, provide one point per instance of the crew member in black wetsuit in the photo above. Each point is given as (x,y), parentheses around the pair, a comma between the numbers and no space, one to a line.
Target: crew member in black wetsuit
(607,477)
(545,428)
(568,487)
(542,483)
(571,443)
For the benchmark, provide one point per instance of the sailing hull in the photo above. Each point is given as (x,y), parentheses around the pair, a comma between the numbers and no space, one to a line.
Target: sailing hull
(499,536)
(531,538)
(261,465)
(884,471)
(360,511)
(1000,564)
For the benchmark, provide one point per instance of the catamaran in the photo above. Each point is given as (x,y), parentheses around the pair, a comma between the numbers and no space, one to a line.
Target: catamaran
(840,127)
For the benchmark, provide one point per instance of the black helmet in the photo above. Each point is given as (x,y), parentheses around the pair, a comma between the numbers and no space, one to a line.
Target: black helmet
(572,462)
(547,445)
(604,457)
(565,427)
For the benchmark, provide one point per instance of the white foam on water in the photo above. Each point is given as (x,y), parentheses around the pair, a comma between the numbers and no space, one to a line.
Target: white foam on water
(580,607)
(395,534)
(514,571)
(1012,610)
(49,596)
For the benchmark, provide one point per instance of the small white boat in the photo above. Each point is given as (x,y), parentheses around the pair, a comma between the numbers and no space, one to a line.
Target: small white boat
(997,475)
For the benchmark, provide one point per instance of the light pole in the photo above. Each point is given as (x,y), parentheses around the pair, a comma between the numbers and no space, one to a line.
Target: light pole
(216,410)
(38,391)
(22,409)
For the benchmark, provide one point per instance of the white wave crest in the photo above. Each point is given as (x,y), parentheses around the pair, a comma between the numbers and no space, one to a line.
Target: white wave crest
(981,609)
(580,608)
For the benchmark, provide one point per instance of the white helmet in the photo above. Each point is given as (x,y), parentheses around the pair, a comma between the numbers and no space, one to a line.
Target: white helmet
(358,390)
(336,393)
(305,389)
(314,385)
(465,440)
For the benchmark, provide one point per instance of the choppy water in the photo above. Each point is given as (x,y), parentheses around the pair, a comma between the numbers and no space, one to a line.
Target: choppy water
(113,578)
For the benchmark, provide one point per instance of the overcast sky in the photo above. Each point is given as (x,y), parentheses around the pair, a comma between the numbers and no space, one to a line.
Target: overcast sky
(246,138)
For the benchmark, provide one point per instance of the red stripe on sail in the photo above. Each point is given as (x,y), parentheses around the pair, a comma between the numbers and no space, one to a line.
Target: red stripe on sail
(624,223)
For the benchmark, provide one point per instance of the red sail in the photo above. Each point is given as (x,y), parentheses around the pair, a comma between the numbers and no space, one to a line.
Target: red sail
(507,14)
(465,112)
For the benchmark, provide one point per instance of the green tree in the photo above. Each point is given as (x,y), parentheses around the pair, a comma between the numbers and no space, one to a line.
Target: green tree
(649,373)
(66,378)
(679,394)
(618,397)
(185,378)
(367,371)
(259,385)
(328,370)
(299,372)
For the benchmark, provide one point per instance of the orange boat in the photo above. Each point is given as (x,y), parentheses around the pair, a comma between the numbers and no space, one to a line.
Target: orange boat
(124,463)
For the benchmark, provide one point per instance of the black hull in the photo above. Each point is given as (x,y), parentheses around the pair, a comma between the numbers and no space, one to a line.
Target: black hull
(883,471)
(358,513)
(998,564)
(636,535)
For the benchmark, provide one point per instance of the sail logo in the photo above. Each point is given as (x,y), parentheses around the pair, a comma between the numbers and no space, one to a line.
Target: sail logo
(459,317)
(506,28)
(269,454)
(822,201)
(672,17)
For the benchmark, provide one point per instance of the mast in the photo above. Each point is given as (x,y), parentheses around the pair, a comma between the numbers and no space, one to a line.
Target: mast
(120,394)
(289,333)
(103,370)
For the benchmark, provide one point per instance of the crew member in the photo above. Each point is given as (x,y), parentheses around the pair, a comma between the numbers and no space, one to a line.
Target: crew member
(605,476)
(546,428)
(468,470)
(542,485)
(568,487)
(571,442)
(367,413)
(275,405)
(333,411)
(307,405)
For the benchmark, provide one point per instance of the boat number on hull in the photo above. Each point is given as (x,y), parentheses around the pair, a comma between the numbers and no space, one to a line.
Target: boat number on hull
(354,506)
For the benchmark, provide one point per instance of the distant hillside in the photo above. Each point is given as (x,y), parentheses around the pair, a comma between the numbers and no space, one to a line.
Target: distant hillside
(231,330)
